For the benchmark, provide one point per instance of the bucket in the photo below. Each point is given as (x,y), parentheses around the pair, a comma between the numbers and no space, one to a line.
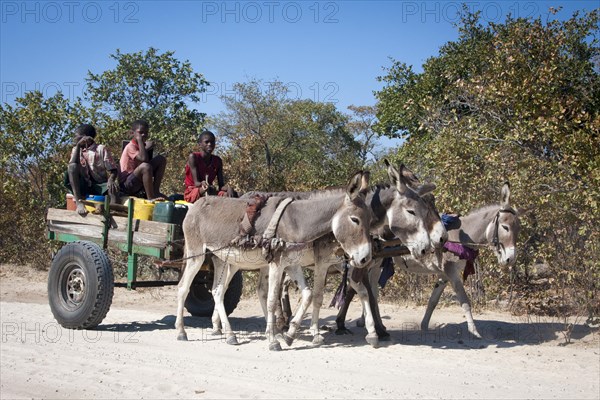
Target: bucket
(142,208)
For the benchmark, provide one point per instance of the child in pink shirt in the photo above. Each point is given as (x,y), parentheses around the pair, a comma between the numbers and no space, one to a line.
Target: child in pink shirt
(139,170)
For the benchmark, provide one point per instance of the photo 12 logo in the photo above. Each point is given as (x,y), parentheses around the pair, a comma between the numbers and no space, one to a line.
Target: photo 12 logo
(53,12)
(10,91)
(52,332)
(449,11)
(322,92)
(253,12)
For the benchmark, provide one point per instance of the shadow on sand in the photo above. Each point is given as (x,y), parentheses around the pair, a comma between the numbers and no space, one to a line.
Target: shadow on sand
(501,334)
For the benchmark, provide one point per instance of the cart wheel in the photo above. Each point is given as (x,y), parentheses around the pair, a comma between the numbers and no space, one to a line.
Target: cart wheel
(200,302)
(80,285)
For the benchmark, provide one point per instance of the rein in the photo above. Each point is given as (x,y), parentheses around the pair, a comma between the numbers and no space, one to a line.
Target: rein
(495,240)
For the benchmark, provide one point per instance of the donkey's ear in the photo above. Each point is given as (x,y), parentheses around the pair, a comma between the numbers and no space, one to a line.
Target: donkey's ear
(505,196)
(425,188)
(393,173)
(364,187)
(355,184)
(399,182)
(410,178)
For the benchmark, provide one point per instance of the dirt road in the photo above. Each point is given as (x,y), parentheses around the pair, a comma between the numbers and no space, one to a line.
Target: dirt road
(134,354)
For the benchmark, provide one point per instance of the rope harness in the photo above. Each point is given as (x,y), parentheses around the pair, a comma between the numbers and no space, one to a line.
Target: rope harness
(267,240)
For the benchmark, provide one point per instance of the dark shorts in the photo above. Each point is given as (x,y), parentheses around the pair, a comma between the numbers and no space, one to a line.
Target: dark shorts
(84,189)
(132,185)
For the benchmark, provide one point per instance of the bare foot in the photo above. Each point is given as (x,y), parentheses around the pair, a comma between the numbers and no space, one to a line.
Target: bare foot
(161,197)
(81,210)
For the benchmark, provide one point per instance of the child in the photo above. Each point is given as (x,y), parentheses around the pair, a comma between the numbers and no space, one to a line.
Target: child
(139,170)
(91,168)
(201,170)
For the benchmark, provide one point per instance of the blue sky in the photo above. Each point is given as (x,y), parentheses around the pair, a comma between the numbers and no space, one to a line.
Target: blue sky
(325,50)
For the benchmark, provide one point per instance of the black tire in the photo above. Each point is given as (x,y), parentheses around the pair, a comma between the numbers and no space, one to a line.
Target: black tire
(80,285)
(199,301)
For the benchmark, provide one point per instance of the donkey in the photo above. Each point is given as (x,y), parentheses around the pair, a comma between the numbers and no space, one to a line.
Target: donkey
(397,207)
(212,225)
(496,226)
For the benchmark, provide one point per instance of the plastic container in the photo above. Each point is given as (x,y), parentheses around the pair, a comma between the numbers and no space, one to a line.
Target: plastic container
(167,211)
(142,208)
(71,206)
(98,198)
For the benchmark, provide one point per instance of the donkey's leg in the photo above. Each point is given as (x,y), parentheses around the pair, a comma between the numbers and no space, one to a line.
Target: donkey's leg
(296,275)
(453,272)
(191,269)
(276,271)
(262,291)
(281,319)
(286,308)
(438,289)
(223,275)
(262,288)
(374,274)
(340,320)
(360,288)
(373,294)
(320,278)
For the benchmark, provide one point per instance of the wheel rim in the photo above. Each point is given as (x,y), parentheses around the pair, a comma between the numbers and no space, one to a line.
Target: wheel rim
(73,286)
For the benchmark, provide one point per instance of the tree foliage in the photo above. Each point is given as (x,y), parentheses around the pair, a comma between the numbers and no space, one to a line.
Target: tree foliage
(35,134)
(156,87)
(516,101)
(275,143)
(361,126)
(153,86)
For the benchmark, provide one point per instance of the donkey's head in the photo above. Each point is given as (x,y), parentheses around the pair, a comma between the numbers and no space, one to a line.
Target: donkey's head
(410,218)
(503,229)
(352,221)
(433,221)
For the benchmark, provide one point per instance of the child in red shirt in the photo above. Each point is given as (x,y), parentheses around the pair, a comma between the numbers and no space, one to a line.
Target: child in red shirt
(201,170)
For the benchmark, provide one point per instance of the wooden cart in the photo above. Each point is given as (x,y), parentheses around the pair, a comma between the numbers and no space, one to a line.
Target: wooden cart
(81,280)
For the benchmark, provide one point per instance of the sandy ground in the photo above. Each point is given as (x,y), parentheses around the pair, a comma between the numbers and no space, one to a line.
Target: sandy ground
(135,354)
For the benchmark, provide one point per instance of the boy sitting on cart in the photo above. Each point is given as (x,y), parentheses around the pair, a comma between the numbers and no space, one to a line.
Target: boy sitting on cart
(202,168)
(91,169)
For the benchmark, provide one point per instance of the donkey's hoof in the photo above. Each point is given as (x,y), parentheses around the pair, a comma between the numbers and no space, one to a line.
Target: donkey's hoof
(318,340)
(216,332)
(373,340)
(232,340)
(275,346)
(360,323)
(288,339)
(424,327)
(182,336)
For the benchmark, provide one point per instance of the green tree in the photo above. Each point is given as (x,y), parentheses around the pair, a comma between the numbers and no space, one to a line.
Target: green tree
(276,143)
(361,126)
(154,86)
(517,101)
(159,88)
(35,138)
